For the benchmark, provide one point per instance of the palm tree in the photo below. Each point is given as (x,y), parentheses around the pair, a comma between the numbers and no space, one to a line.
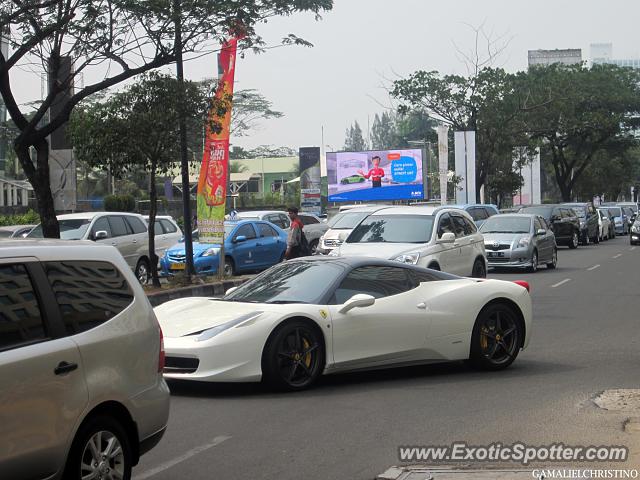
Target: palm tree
(237,167)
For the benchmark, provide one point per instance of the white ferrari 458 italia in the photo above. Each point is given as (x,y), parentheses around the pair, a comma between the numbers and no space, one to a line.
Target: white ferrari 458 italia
(321,315)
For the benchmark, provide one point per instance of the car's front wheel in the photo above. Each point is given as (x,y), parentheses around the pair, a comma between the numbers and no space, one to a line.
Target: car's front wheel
(554,260)
(294,357)
(479,269)
(574,241)
(534,262)
(229,267)
(496,338)
(101,450)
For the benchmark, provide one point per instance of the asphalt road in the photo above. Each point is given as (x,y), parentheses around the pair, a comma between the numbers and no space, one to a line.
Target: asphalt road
(586,339)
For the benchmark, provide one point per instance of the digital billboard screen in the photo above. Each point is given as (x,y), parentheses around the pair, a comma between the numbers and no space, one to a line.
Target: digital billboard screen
(375,175)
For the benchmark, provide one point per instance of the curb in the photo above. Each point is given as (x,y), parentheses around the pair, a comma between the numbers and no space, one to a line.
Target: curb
(206,290)
(418,472)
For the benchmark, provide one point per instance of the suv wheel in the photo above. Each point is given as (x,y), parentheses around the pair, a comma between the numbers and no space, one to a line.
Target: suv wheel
(142,271)
(479,269)
(101,449)
(574,241)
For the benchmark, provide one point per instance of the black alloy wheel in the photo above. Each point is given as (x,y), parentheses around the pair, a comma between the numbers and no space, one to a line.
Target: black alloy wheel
(294,357)
(496,339)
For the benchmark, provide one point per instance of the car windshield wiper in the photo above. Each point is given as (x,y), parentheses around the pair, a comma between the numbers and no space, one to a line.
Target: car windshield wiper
(233,300)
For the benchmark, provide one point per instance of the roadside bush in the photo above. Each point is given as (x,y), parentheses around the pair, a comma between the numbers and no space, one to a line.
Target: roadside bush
(29,218)
(119,203)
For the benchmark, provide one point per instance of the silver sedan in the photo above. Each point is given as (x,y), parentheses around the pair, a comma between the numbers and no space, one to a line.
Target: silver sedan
(519,241)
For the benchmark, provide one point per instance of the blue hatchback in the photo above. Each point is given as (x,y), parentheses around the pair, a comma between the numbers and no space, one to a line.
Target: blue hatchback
(249,245)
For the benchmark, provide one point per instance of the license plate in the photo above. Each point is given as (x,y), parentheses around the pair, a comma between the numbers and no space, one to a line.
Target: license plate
(490,254)
(177,266)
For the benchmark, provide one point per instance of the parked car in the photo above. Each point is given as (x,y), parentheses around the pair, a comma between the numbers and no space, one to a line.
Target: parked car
(632,205)
(634,237)
(125,231)
(620,219)
(434,237)
(563,222)
(519,240)
(479,212)
(320,315)
(167,233)
(341,226)
(81,356)
(15,231)
(588,217)
(249,245)
(607,229)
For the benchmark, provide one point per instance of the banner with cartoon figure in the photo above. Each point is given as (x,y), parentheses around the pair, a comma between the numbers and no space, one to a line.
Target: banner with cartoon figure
(212,183)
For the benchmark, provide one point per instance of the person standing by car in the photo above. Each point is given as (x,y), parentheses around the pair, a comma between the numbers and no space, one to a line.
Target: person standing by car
(295,238)
(375,174)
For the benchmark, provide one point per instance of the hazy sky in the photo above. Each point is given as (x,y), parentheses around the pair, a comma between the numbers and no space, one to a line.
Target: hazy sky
(363,44)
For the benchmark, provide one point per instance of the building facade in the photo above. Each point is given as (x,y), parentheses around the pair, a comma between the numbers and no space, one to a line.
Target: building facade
(567,56)
(602,53)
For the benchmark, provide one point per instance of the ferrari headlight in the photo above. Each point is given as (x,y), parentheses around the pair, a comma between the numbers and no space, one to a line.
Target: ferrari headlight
(211,252)
(212,332)
(410,258)
(524,242)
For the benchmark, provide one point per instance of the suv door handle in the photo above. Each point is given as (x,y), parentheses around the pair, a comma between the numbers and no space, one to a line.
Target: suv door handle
(135,241)
(422,306)
(65,367)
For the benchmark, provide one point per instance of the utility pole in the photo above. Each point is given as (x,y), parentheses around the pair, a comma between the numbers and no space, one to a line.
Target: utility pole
(184,161)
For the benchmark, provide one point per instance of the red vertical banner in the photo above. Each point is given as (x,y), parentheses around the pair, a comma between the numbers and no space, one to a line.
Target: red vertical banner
(212,183)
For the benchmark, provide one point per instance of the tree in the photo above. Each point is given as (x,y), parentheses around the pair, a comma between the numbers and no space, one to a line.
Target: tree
(250,107)
(111,41)
(237,167)
(137,130)
(585,111)
(354,141)
(383,131)
(486,102)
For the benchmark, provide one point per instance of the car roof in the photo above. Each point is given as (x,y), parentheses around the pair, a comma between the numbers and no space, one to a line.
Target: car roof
(255,213)
(91,215)
(367,209)
(406,210)
(47,249)
(360,261)
(515,215)
(13,228)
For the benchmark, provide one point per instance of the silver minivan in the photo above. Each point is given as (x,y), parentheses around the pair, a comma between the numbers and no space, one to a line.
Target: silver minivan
(125,231)
(81,359)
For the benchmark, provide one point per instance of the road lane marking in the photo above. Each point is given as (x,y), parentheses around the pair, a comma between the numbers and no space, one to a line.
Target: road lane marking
(171,463)
(594,267)
(617,256)
(632,249)
(561,283)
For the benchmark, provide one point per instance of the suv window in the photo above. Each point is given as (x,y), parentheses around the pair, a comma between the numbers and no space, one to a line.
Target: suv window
(478,213)
(445,225)
(88,293)
(307,220)
(246,230)
(536,224)
(285,220)
(101,225)
(168,226)
(459,225)
(137,225)
(276,220)
(20,319)
(157,228)
(266,231)
(469,227)
(378,282)
(119,227)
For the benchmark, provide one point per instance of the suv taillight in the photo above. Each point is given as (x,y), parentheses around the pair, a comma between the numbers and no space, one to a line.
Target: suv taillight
(161,353)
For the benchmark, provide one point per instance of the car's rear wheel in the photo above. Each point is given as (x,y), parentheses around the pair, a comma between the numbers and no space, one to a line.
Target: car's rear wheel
(101,450)
(574,241)
(479,269)
(534,262)
(229,267)
(496,338)
(294,357)
(313,246)
(554,260)
(142,271)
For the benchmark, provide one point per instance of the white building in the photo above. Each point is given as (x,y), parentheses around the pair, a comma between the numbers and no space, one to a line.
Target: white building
(14,193)
(567,56)
(602,53)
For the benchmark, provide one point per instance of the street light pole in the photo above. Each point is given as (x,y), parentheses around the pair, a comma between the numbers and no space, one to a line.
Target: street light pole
(184,161)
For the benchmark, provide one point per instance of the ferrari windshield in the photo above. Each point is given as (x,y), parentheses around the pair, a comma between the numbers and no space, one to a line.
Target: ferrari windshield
(503,224)
(289,282)
(393,229)
(346,220)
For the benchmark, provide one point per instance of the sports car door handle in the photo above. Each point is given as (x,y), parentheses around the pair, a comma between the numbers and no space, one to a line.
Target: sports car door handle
(65,367)
(422,306)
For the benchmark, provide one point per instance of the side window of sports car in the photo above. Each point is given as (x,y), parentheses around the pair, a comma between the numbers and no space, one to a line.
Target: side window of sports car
(376,281)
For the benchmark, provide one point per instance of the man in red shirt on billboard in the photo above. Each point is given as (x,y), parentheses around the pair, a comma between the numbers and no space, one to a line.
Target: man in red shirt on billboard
(375,174)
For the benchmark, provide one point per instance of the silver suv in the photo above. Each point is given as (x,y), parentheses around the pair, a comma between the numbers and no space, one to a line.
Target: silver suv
(81,356)
(125,231)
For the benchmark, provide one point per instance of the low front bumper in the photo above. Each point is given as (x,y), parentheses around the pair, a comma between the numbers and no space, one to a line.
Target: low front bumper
(519,258)
(202,265)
